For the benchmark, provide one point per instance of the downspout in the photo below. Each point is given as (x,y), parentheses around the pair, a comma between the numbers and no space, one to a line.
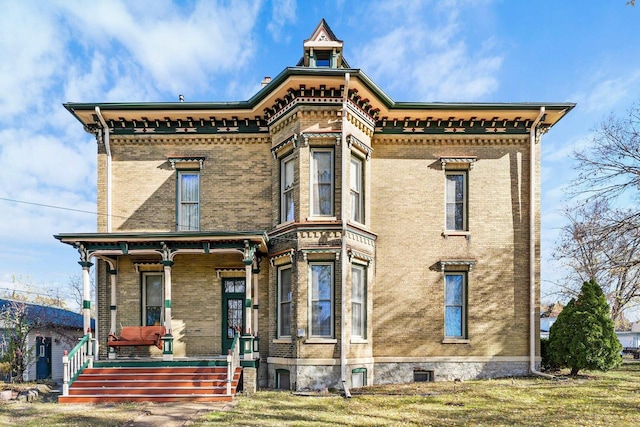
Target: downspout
(343,253)
(532,246)
(107,147)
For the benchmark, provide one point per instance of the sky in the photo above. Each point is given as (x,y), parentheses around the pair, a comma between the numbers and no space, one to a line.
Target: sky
(587,52)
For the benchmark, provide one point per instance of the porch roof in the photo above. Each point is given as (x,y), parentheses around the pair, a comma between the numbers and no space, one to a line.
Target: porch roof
(200,241)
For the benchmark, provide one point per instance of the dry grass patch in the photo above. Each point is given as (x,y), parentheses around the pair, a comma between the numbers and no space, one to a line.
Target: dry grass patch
(595,399)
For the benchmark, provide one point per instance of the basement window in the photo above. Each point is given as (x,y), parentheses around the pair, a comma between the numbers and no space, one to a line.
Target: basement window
(422,376)
(283,381)
(359,377)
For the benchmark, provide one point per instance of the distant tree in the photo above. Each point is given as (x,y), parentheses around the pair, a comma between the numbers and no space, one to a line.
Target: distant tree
(77,290)
(25,290)
(597,245)
(583,336)
(551,310)
(14,319)
(610,165)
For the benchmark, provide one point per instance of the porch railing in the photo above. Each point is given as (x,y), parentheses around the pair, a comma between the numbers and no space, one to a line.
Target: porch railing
(80,357)
(233,361)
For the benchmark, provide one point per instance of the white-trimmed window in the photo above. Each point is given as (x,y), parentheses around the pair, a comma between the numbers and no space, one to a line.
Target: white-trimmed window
(188,201)
(284,301)
(152,299)
(358,301)
(456,201)
(321,299)
(455,305)
(287,207)
(321,182)
(357,192)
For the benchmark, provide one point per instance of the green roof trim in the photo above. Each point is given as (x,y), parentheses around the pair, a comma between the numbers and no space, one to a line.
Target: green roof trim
(304,71)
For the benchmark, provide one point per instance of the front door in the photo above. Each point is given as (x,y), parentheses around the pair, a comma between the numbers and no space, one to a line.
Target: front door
(43,356)
(233,313)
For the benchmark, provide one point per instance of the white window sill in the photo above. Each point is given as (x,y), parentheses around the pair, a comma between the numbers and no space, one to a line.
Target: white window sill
(359,341)
(321,218)
(448,233)
(286,340)
(321,341)
(456,341)
(358,224)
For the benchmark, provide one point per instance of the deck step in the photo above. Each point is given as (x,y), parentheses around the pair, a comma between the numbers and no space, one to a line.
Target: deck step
(102,398)
(152,384)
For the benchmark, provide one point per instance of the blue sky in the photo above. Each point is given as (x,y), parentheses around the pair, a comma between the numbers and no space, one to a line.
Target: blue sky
(115,51)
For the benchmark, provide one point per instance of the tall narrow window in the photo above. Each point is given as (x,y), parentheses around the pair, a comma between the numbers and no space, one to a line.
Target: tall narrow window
(358,301)
(287,207)
(284,302)
(152,297)
(188,201)
(456,211)
(357,199)
(321,299)
(321,182)
(455,305)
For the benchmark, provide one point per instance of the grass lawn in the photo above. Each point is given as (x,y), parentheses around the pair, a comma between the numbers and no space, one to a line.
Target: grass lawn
(592,399)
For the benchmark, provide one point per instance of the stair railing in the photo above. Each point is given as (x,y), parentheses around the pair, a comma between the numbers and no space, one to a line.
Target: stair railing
(233,361)
(74,361)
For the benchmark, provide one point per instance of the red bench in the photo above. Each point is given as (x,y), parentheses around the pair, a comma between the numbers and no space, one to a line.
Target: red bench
(138,336)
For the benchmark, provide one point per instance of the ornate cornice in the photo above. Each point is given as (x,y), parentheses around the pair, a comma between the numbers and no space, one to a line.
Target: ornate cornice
(186,159)
(468,161)
(335,251)
(292,139)
(456,264)
(192,139)
(192,125)
(353,254)
(449,140)
(282,256)
(452,125)
(319,96)
(352,141)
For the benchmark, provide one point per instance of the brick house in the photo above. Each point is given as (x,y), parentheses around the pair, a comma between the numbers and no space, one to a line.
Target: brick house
(351,238)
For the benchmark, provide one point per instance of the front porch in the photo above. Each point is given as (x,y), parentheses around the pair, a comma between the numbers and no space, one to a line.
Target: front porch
(167,303)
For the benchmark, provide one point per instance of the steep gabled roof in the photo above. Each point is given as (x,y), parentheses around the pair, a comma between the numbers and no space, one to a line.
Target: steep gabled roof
(322,33)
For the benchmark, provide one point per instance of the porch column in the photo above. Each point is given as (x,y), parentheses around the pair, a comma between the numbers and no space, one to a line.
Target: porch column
(167,353)
(256,270)
(86,296)
(247,302)
(113,308)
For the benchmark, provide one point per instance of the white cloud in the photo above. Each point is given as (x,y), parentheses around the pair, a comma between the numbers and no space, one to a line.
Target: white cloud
(47,171)
(32,51)
(284,11)
(426,40)
(181,52)
(609,92)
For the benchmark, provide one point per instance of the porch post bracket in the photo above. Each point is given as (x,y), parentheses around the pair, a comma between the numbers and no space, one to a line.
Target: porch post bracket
(256,268)
(85,254)
(167,254)
(249,252)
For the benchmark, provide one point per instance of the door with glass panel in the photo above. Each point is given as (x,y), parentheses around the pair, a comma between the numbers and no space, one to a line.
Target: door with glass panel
(152,299)
(233,312)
